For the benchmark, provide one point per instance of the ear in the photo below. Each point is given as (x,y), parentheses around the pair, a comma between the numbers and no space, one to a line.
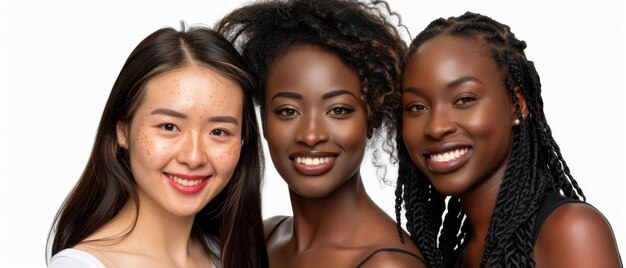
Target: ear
(122,134)
(522,103)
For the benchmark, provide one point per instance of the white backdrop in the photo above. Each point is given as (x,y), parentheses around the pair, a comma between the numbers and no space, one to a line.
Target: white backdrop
(59,59)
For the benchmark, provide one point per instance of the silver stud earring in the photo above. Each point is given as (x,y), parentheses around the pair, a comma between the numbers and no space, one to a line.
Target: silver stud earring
(516,122)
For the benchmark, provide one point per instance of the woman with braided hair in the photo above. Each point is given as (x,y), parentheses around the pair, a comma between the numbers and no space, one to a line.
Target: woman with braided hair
(474,139)
(324,69)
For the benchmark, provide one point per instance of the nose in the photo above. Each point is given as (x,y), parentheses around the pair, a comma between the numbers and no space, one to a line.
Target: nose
(312,131)
(440,124)
(193,151)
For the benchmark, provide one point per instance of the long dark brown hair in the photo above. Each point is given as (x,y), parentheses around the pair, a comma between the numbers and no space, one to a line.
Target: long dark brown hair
(233,218)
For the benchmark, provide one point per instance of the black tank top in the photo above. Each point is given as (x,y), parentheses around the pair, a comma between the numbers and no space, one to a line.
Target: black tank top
(551,201)
(398,250)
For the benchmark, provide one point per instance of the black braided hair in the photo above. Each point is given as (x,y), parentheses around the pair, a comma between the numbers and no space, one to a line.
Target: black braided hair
(536,165)
(360,33)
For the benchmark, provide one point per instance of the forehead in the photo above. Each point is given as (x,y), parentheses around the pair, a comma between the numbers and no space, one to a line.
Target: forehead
(445,43)
(193,86)
(309,67)
(451,57)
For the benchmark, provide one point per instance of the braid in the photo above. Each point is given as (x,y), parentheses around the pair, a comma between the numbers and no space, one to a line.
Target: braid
(400,193)
(449,238)
(536,165)
(421,201)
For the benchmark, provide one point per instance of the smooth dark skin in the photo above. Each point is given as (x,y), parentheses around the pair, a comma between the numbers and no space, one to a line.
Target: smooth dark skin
(454,96)
(313,105)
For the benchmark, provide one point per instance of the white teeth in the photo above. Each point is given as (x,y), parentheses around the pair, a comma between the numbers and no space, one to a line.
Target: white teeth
(185,182)
(309,161)
(448,156)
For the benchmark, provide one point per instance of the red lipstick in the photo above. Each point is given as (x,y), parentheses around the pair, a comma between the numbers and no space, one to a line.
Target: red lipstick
(187,184)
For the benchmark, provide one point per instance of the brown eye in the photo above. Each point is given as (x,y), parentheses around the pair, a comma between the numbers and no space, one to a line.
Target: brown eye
(341,111)
(286,112)
(464,100)
(415,107)
(169,127)
(219,132)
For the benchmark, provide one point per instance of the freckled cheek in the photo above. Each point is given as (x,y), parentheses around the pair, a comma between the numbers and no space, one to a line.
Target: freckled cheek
(149,148)
(226,156)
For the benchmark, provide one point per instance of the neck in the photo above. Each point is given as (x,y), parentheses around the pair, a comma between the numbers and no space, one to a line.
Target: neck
(479,203)
(331,218)
(157,233)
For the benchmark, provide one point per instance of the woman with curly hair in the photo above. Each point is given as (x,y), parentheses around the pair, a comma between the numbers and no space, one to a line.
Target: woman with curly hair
(324,69)
(473,129)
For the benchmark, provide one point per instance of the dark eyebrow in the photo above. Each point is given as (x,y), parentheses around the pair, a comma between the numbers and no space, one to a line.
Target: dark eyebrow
(336,93)
(165,111)
(462,80)
(413,90)
(291,95)
(224,119)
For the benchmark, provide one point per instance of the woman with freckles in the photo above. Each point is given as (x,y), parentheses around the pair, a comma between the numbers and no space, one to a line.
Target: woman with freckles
(173,178)
(323,68)
(473,130)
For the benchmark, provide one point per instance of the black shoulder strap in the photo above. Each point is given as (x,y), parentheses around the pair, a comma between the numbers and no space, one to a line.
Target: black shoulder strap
(399,250)
(551,201)
(275,228)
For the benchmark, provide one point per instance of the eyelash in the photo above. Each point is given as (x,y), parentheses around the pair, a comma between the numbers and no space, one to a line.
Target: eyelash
(223,132)
(166,125)
(415,107)
(283,112)
(341,110)
(335,111)
(464,100)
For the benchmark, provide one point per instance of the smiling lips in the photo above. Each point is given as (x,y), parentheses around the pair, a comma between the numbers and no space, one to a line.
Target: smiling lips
(447,161)
(313,163)
(187,184)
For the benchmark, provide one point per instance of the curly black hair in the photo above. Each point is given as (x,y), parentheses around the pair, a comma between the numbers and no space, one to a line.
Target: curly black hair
(359,33)
(536,165)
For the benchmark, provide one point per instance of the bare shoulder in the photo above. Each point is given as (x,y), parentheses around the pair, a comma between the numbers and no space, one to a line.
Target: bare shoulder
(387,249)
(576,235)
(271,223)
(394,259)
(391,252)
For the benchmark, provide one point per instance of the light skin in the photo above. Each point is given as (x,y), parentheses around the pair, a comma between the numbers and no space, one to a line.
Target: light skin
(186,131)
(313,112)
(458,123)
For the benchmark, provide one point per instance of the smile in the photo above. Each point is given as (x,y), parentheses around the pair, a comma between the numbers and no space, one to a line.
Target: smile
(309,161)
(447,161)
(448,156)
(312,163)
(187,184)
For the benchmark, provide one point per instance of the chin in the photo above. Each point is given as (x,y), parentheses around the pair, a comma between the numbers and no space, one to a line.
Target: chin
(186,211)
(311,191)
